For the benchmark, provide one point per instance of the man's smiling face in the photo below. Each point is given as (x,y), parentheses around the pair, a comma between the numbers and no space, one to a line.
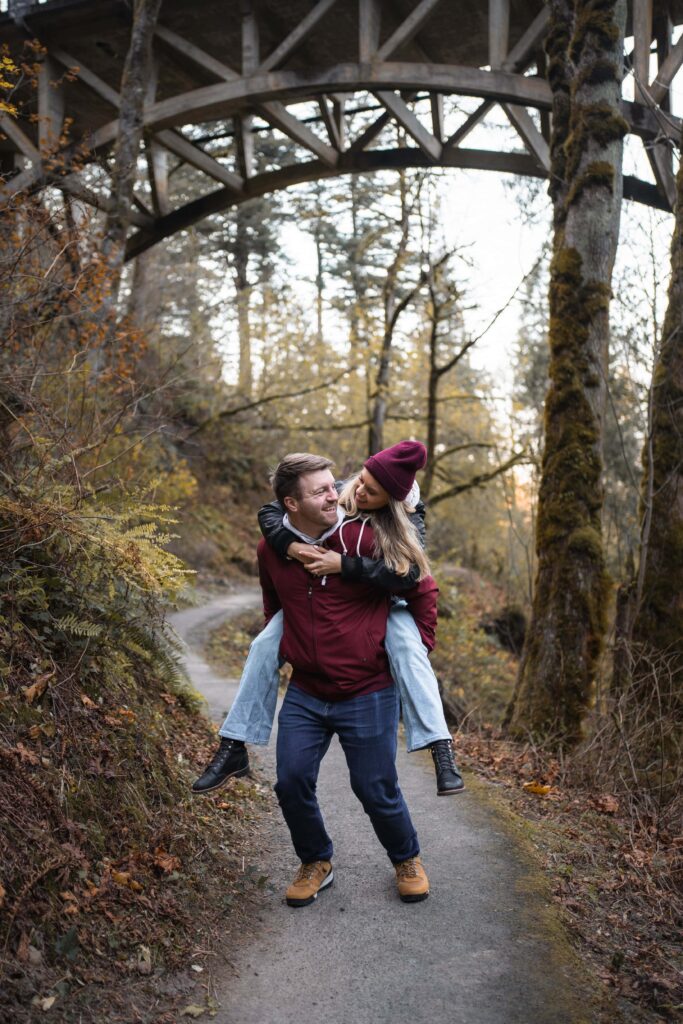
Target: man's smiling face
(314,509)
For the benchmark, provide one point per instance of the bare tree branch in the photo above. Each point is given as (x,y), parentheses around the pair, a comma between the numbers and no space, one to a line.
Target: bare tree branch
(227,413)
(479,480)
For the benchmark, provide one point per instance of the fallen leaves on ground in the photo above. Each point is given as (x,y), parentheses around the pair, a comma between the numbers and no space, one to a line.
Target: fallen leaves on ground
(606,804)
(38,688)
(537,788)
(616,876)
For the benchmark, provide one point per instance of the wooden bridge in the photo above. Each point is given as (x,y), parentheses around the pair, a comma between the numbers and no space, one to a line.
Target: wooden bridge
(236,79)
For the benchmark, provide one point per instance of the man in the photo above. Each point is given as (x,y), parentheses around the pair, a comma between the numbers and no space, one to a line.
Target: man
(333,638)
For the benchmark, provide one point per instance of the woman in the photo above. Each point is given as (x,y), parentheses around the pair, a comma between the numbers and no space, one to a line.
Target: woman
(385,497)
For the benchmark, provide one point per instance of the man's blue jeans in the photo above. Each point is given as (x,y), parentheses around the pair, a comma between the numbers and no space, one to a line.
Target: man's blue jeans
(366,727)
(253,710)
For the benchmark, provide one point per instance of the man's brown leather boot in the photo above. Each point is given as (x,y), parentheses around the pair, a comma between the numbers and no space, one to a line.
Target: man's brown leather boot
(412,881)
(310,879)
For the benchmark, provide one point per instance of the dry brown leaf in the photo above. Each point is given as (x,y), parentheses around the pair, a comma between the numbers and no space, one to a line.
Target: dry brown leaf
(124,878)
(86,702)
(3,894)
(26,755)
(606,803)
(22,948)
(536,787)
(166,861)
(38,688)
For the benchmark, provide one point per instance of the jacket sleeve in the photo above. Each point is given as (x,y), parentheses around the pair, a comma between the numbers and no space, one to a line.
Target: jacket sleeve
(422,605)
(279,538)
(271,601)
(375,572)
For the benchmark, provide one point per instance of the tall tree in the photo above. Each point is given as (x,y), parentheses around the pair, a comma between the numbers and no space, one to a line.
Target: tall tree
(134,85)
(585,53)
(651,606)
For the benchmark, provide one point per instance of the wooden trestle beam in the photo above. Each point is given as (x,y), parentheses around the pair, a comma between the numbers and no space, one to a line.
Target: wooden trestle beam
(246,72)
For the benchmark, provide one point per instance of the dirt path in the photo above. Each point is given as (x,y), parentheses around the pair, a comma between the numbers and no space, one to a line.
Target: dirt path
(485,948)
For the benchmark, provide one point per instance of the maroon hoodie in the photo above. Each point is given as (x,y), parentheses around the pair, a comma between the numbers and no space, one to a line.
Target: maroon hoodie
(334,629)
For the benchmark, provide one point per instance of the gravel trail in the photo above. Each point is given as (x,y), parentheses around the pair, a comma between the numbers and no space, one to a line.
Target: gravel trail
(485,948)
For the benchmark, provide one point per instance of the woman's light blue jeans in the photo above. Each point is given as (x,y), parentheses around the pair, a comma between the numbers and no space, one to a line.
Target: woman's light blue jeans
(253,710)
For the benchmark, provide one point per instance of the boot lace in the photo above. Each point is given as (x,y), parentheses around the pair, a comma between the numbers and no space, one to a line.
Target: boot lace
(442,752)
(407,868)
(306,871)
(223,752)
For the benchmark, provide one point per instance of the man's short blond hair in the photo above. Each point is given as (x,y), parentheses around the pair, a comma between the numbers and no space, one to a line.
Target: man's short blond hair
(285,478)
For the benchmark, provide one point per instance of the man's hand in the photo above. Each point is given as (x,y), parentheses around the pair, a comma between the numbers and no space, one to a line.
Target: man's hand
(324,562)
(302,552)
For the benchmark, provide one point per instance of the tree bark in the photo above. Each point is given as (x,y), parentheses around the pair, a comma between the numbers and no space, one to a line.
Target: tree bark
(134,81)
(651,620)
(393,307)
(569,607)
(245,380)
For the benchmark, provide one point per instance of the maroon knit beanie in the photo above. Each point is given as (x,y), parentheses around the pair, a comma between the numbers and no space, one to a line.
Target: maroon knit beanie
(395,467)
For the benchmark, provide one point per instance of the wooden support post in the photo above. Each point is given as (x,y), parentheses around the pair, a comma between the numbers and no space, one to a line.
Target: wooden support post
(297,35)
(157,157)
(405,117)
(408,29)
(436,101)
(663,30)
(369,18)
(642,38)
(338,105)
(523,123)
(175,142)
(667,71)
(499,31)
(250,38)
(50,106)
(157,163)
(661,161)
(10,128)
(244,137)
(330,122)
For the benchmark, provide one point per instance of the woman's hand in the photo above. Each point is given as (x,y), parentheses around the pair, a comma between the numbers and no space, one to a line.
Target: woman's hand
(302,552)
(323,562)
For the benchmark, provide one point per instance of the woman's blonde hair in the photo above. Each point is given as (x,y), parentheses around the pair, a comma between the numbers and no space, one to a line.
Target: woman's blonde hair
(396,539)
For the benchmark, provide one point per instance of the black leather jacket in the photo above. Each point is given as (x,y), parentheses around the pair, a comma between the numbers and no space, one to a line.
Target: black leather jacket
(369,570)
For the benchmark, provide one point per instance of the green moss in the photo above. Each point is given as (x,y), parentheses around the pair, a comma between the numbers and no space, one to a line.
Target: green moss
(599,174)
(586,540)
(602,70)
(595,123)
(595,26)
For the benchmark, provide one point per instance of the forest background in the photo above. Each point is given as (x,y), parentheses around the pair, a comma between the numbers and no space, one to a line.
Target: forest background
(142,408)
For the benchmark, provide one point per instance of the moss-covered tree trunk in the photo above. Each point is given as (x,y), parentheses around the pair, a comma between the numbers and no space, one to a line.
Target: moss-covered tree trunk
(243,297)
(651,606)
(585,51)
(134,83)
